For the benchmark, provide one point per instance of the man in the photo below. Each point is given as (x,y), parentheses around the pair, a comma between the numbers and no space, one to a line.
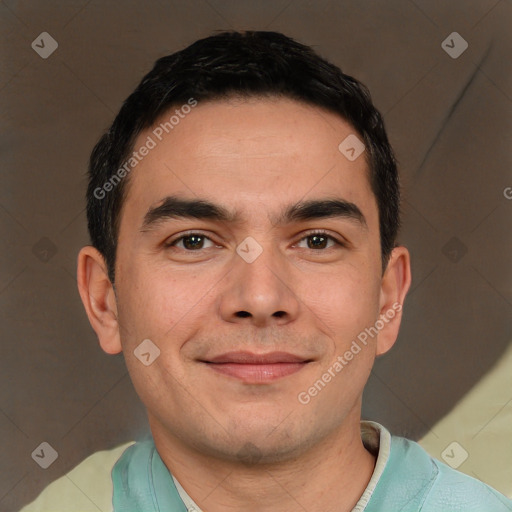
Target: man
(243,210)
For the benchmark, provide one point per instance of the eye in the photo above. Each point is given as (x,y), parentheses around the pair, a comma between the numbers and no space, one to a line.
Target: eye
(191,242)
(318,240)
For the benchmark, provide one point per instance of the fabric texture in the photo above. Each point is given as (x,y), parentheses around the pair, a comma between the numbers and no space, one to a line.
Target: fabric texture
(406,479)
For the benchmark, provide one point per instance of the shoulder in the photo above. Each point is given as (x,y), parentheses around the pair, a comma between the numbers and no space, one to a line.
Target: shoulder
(87,487)
(468,493)
(444,488)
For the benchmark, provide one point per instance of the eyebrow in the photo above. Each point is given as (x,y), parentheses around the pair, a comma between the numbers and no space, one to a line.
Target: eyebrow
(174,207)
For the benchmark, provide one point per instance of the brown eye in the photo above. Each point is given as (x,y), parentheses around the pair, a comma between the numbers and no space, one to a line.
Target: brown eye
(319,241)
(191,242)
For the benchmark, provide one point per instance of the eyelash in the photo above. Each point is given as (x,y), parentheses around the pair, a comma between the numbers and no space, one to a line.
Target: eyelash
(309,234)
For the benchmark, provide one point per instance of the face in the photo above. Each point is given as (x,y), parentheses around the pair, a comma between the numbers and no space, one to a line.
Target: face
(250,301)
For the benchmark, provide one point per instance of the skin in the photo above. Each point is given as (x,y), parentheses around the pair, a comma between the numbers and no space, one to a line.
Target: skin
(232,445)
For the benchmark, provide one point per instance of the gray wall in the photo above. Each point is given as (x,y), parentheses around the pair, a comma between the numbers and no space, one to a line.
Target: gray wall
(449,120)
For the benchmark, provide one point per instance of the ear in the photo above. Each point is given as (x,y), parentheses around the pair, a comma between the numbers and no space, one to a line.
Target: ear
(98,297)
(394,287)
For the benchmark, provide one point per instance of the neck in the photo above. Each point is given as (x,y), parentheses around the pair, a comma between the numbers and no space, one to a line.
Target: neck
(330,476)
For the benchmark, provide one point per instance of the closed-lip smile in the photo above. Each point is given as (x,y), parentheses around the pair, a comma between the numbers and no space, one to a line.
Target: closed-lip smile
(254,368)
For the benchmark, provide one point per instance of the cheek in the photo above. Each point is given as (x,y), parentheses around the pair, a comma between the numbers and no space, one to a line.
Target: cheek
(154,302)
(161,309)
(346,298)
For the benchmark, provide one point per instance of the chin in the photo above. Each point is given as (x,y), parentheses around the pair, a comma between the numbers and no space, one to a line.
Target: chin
(265,443)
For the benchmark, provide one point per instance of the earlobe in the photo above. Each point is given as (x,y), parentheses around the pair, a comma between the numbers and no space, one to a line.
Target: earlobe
(98,298)
(394,287)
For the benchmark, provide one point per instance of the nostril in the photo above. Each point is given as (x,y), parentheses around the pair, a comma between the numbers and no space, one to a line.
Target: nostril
(243,314)
(279,314)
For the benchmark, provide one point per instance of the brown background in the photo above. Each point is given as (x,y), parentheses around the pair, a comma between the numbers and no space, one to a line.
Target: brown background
(448,119)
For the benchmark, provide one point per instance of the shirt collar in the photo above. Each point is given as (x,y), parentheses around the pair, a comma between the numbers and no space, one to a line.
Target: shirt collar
(376,439)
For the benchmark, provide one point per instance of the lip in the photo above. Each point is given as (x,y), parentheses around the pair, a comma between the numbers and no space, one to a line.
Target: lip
(255,368)
(242,357)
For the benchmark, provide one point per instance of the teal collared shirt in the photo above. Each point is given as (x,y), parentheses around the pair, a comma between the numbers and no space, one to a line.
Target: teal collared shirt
(405,479)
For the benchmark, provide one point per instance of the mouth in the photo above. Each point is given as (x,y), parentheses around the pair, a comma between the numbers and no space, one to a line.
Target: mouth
(257,368)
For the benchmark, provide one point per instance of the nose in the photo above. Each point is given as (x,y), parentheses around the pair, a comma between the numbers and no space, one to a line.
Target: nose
(261,292)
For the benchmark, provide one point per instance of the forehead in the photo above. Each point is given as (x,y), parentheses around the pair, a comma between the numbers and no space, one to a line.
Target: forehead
(244,152)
